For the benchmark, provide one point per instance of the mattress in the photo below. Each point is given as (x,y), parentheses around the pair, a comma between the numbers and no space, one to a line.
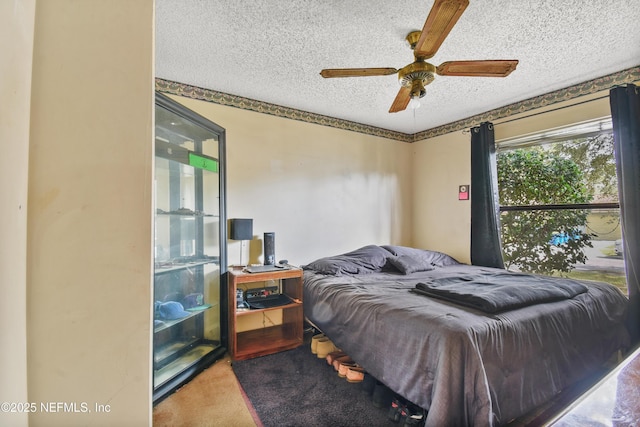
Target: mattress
(465,366)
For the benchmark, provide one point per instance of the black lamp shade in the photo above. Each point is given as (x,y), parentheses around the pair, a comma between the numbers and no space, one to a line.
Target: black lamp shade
(240,229)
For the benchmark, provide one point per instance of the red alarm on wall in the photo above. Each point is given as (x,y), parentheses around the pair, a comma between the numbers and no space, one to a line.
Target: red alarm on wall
(463,192)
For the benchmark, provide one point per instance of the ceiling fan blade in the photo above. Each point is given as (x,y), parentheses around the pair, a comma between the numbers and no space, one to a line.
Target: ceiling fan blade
(402,100)
(491,68)
(443,16)
(357,72)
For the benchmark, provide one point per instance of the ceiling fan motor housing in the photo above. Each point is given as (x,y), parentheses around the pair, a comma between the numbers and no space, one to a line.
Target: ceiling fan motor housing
(416,76)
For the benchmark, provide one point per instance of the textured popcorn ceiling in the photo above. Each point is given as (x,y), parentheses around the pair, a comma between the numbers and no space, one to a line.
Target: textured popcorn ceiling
(273,51)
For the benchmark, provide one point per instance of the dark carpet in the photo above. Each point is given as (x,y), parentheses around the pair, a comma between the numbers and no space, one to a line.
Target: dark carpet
(295,388)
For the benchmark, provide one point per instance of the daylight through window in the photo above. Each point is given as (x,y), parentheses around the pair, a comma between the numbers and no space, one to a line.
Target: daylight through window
(558,195)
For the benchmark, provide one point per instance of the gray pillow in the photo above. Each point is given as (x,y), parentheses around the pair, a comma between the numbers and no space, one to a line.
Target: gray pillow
(422,257)
(406,264)
(367,259)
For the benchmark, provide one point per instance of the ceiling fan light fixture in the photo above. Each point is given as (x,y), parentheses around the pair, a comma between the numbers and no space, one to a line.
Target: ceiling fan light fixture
(417,89)
(417,92)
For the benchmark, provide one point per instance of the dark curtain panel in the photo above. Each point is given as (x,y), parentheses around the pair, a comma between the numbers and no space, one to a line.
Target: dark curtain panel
(486,249)
(625,113)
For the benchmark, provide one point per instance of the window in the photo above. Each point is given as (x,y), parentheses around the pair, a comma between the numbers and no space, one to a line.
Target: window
(559,203)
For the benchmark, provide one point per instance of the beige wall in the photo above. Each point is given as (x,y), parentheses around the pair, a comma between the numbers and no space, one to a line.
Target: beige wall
(441,221)
(89,231)
(325,190)
(441,164)
(16,49)
(322,190)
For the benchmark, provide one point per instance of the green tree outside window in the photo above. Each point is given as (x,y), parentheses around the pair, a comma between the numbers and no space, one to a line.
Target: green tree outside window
(542,241)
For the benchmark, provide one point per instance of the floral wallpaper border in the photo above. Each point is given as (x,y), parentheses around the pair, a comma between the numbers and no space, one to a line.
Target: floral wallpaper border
(592,86)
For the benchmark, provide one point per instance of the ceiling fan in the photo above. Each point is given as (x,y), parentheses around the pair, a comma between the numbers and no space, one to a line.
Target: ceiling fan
(415,76)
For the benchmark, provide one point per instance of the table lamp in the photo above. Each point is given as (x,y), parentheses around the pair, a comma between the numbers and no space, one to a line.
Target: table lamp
(241,229)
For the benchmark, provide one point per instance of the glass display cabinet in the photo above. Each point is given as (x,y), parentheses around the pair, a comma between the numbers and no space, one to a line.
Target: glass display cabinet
(190,245)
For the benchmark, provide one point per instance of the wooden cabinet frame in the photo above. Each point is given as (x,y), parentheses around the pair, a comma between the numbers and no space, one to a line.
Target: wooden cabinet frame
(272,339)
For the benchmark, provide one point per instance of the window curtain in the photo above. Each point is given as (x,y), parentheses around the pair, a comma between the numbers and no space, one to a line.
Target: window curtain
(625,115)
(486,249)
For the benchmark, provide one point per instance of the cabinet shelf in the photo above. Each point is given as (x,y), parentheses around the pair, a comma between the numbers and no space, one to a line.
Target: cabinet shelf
(166,267)
(169,323)
(260,342)
(245,312)
(170,350)
(189,359)
(187,215)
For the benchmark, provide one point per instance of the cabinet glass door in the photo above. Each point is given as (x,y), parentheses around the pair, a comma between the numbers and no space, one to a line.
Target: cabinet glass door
(189,236)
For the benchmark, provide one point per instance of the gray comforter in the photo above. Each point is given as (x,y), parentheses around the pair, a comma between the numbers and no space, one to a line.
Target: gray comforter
(464,366)
(493,292)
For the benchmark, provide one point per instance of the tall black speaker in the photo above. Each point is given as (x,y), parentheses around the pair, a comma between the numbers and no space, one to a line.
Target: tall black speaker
(269,248)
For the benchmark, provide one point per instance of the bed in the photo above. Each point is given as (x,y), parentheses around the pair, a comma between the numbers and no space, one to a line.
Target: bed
(466,361)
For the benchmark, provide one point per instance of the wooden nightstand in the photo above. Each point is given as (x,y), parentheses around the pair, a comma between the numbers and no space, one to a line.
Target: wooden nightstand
(268,339)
